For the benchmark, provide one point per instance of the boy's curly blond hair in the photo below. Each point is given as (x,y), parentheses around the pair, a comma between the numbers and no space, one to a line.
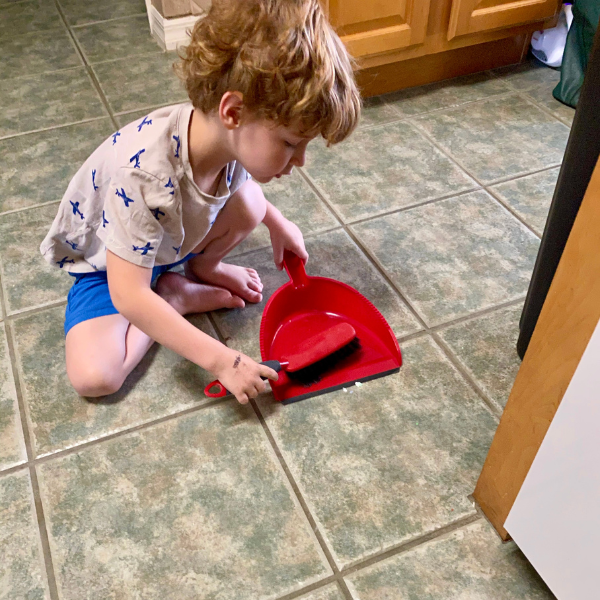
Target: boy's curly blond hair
(284,58)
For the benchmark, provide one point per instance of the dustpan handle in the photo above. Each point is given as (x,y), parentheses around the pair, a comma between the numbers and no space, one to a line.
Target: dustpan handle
(295,269)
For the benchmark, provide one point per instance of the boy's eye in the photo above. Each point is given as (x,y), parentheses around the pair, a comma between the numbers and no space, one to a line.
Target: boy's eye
(289,145)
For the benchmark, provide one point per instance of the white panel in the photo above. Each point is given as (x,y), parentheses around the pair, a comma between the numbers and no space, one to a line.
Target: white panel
(556,517)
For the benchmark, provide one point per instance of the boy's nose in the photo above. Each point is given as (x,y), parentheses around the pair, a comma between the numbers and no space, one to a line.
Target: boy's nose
(299,158)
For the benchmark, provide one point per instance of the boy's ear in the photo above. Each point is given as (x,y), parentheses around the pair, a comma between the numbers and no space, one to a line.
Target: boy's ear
(230,109)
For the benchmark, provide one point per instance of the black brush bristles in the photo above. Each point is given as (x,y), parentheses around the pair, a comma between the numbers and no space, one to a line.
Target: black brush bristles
(312,374)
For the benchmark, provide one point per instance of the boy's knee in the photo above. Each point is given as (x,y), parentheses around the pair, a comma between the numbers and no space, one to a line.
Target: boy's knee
(249,204)
(93,382)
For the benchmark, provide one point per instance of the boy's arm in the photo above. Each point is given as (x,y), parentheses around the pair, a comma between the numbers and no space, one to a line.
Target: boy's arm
(285,235)
(133,297)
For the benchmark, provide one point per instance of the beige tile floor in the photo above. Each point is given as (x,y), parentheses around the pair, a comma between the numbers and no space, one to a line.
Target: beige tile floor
(433,210)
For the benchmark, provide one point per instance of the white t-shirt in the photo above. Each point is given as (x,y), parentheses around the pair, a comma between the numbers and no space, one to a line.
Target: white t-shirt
(136,196)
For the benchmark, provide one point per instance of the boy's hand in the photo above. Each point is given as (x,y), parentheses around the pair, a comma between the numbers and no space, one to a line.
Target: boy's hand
(285,235)
(242,376)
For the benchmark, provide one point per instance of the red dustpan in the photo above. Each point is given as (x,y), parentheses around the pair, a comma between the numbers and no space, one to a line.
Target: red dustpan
(305,306)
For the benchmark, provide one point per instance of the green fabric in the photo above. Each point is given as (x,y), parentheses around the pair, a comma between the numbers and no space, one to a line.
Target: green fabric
(586,14)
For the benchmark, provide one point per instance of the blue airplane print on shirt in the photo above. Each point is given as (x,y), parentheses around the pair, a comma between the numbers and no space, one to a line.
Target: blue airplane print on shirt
(176,138)
(136,157)
(157,213)
(177,250)
(105,222)
(126,198)
(144,122)
(115,136)
(61,263)
(170,185)
(94,179)
(72,244)
(143,249)
(76,210)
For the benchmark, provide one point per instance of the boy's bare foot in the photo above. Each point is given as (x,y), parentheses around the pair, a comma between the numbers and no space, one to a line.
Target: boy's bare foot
(240,281)
(188,297)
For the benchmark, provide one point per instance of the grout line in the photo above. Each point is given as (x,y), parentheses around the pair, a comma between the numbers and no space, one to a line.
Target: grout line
(525,96)
(142,55)
(296,488)
(501,180)
(27,437)
(411,206)
(454,360)
(17,210)
(211,318)
(401,548)
(62,125)
(6,4)
(459,164)
(90,72)
(124,113)
(403,118)
(478,314)
(496,196)
(505,94)
(413,543)
(27,312)
(78,446)
(102,21)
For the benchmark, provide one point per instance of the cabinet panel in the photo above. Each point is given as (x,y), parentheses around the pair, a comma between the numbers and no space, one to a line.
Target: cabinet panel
(375,26)
(471,16)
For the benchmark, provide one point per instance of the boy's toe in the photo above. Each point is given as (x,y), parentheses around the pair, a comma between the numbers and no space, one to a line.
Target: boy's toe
(234,302)
(254,296)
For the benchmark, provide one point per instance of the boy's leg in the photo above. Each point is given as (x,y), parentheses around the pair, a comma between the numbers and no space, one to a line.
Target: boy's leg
(240,216)
(101,352)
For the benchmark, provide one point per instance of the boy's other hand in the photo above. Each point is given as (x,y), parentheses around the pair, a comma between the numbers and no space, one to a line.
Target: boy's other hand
(285,235)
(242,376)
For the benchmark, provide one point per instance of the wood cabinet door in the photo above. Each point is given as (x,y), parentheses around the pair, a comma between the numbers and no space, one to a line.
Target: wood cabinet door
(472,16)
(376,26)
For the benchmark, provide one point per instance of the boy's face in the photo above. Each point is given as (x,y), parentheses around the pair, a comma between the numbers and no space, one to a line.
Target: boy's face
(267,150)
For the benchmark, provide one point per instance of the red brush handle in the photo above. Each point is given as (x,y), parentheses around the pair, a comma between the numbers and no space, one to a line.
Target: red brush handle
(295,269)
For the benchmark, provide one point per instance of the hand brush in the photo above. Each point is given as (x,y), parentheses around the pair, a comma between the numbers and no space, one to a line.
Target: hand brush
(313,357)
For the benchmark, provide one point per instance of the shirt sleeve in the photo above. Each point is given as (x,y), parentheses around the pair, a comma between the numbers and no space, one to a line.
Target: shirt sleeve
(128,227)
(238,178)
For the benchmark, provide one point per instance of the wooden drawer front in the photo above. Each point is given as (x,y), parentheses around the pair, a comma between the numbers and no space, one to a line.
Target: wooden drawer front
(472,16)
(375,26)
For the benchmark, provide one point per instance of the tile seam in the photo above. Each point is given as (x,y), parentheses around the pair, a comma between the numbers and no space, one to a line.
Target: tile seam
(459,164)
(412,206)
(505,94)
(402,118)
(61,126)
(17,210)
(502,180)
(458,365)
(28,439)
(102,21)
(90,72)
(312,521)
(398,550)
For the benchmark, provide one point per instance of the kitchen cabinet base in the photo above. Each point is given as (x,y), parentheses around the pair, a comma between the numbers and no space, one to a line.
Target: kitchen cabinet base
(443,65)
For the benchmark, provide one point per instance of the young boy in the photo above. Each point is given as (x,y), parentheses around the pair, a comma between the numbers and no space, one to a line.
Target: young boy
(264,78)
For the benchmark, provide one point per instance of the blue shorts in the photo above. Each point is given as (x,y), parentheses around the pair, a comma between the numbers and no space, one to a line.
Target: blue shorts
(89,296)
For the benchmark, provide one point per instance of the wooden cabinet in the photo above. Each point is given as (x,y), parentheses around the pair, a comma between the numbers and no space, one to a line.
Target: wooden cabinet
(404,43)
(379,25)
(471,16)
